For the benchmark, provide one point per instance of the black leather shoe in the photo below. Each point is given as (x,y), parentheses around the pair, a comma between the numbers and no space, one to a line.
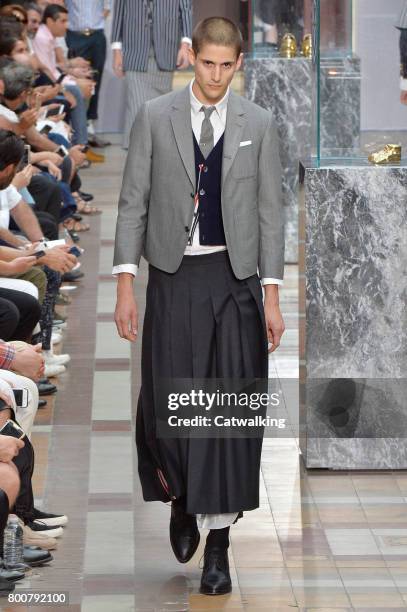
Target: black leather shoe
(42,403)
(46,389)
(6,586)
(35,556)
(184,534)
(72,276)
(86,197)
(12,575)
(215,575)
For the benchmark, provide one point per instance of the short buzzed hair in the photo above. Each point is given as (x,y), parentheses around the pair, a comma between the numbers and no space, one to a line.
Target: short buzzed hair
(217,31)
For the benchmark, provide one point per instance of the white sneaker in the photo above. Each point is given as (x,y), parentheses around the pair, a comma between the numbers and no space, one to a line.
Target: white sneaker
(59,326)
(52,359)
(56,337)
(68,287)
(53,370)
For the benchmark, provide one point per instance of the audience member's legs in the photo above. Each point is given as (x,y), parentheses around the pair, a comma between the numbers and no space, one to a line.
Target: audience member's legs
(24,416)
(29,311)
(37,277)
(78,116)
(47,195)
(47,308)
(9,484)
(24,504)
(9,319)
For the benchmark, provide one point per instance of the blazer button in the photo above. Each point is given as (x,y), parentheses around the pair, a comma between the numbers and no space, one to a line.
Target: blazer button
(186,229)
(202,215)
(202,192)
(205,169)
(192,195)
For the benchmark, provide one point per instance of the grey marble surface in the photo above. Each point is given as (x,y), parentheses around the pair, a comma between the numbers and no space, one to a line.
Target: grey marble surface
(284,86)
(354,265)
(340,104)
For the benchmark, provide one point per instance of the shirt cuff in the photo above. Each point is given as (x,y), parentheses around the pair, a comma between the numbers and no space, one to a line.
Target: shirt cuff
(8,357)
(128,268)
(403,84)
(185,39)
(117,45)
(271,281)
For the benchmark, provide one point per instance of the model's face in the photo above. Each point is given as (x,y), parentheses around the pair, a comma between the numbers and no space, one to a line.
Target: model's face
(34,21)
(215,67)
(59,26)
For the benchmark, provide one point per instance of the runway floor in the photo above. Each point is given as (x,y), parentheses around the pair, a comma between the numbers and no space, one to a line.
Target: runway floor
(319,541)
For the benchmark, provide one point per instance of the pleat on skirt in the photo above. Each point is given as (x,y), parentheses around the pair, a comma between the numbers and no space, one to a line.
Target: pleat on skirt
(200,322)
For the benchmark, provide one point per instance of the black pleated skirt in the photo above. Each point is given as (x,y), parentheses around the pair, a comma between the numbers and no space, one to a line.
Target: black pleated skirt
(201,322)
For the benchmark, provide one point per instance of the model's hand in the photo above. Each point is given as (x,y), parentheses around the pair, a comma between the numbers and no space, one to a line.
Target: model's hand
(274,320)
(118,63)
(183,57)
(9,448)
(403,97)
(126,314)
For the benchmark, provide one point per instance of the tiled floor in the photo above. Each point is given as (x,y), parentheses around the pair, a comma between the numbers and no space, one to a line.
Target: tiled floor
(319,541)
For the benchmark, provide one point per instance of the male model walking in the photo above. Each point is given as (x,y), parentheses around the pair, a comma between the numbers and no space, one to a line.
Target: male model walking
(201,200)
(150,39)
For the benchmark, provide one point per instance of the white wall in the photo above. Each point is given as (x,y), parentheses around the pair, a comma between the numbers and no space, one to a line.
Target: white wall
(377,44)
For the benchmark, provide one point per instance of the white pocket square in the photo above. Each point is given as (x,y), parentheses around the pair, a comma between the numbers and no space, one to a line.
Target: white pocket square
(245,143)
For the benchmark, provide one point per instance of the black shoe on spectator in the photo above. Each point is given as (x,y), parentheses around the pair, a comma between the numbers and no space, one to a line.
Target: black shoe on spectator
(49,519)
(53,532)
(42,403)
(86,197)
(35,556)
(76,216)
(72,276)
(46,388)
(74,236)
(12,575)
(97,143)
(6,586)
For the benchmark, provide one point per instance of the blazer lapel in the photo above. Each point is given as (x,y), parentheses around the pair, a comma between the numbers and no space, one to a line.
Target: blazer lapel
(235,122)
(182,127)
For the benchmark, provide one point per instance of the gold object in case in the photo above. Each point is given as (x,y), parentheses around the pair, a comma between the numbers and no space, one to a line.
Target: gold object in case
(288,46)
(307,46)
(389,154)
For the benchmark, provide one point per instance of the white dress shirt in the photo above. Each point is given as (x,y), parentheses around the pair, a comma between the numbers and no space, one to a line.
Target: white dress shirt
(218,120)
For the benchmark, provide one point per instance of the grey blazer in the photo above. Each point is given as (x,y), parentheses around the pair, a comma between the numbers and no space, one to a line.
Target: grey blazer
(156,200)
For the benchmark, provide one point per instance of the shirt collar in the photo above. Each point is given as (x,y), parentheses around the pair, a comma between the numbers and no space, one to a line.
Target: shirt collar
(196,105)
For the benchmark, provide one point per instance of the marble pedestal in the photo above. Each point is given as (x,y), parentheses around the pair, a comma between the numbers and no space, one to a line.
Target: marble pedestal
(353,317)
(284,86)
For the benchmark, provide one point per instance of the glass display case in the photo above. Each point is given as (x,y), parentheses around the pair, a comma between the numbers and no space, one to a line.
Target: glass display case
(269,21)
(358,101)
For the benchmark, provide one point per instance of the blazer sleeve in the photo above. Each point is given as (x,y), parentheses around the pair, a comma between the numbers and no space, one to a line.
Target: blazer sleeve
(185,8)
(270,203)
(117,22)
(135,193)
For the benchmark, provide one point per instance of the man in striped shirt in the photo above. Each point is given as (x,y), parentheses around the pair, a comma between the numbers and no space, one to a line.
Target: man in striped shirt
(150,39)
